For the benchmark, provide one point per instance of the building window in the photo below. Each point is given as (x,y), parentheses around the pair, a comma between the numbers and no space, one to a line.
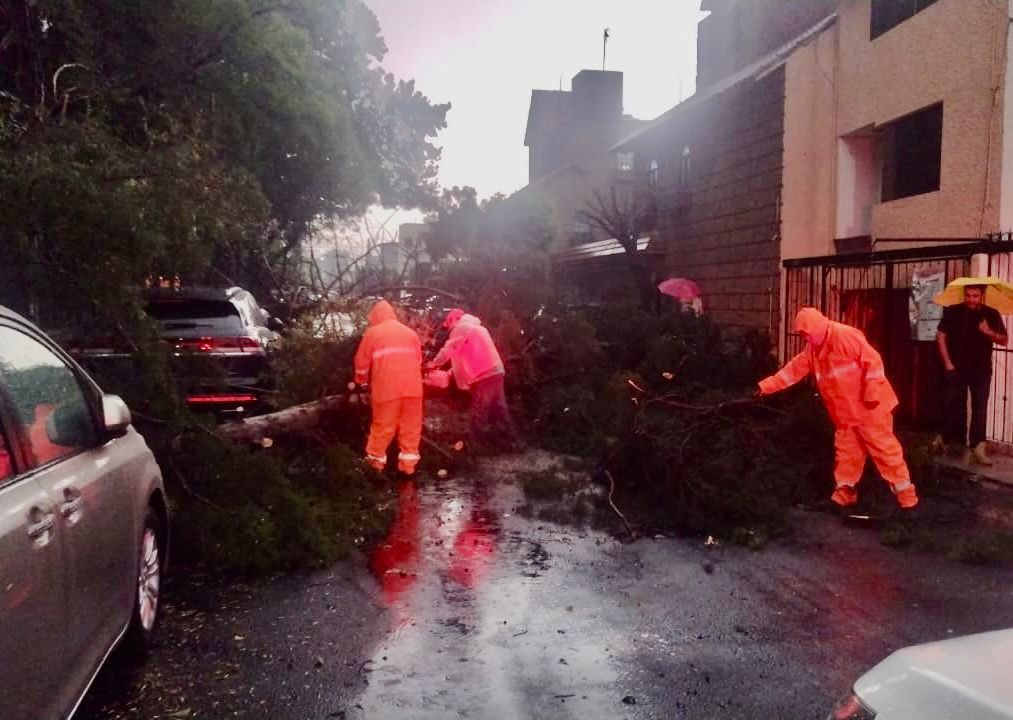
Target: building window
(624,161)
(652,175)
(581,233)
(888,14)
(911,151)
(685,167)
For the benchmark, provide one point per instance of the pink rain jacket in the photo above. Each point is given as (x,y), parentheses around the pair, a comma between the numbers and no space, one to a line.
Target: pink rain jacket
(471,352)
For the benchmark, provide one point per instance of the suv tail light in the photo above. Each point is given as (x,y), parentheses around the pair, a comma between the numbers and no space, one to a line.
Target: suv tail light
(219,344)
(220,399)
(241,343)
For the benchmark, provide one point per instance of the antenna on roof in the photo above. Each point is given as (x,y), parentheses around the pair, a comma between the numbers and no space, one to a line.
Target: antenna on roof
(604,45)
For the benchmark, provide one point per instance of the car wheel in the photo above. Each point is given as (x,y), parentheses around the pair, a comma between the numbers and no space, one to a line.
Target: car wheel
(147,585)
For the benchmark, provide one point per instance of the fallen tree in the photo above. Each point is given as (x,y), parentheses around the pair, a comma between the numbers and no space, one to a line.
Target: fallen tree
(304,419)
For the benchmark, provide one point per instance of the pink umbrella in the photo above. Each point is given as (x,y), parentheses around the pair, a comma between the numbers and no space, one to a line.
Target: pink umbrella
(680,288)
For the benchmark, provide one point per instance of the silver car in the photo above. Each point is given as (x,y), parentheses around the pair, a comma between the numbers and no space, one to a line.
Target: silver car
(83,527)
(965,678)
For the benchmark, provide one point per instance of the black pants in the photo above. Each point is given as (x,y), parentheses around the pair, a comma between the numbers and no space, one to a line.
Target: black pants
(490,415)
(954,407)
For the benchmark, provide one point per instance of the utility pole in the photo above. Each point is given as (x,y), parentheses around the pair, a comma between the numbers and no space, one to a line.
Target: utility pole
(604,45)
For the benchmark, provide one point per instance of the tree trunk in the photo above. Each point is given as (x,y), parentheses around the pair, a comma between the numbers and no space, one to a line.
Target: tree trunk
(641,272)
(290,421)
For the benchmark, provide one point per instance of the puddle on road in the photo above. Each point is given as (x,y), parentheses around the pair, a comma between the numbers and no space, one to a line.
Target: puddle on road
(487,617)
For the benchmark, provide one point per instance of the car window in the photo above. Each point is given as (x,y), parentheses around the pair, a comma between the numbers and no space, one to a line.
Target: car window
(257,313)
(188,314)
(243,305)
(48,399)
(6,462)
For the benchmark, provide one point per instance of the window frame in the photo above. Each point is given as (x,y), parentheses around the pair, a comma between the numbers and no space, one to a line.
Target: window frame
(622,167)
(875,32)
(685,177)
(888,149)
(26,464)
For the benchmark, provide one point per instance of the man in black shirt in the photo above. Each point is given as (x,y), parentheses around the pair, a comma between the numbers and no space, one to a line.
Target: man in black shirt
(965,338)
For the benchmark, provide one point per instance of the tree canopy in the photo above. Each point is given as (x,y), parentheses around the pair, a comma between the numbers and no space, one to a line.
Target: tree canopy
(198,138)
(497,226)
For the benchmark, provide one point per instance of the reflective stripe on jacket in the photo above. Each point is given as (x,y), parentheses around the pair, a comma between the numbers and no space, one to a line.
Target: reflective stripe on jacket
(849,373)
(389,356)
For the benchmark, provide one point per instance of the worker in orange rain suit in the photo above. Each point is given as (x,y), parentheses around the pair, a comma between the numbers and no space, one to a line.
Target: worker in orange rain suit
(850,376)
(390,354)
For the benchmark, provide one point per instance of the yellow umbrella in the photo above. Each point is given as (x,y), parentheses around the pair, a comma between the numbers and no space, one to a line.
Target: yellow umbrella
(998,294)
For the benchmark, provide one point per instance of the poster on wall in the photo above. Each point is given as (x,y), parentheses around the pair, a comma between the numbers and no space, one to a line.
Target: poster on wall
(924,314)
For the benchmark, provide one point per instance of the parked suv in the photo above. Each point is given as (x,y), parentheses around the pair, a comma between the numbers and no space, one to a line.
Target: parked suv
(83,526)
(221,341)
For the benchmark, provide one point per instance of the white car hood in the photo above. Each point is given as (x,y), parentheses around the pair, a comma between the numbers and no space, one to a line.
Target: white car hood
(967,678)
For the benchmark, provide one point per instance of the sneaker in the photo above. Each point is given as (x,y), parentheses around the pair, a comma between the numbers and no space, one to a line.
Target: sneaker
(980,456)
(845,496)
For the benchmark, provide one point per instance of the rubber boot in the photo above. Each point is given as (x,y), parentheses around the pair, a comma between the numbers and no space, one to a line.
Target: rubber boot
(980,455)
(845,496)
(907,499)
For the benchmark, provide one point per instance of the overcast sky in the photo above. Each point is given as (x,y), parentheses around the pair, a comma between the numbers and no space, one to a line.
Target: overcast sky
(485,57)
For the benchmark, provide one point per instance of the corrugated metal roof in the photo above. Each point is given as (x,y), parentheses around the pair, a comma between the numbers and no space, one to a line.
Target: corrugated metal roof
(597,249)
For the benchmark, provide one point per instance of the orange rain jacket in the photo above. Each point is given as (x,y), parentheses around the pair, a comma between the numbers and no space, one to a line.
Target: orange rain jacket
(849,372)
(391,353)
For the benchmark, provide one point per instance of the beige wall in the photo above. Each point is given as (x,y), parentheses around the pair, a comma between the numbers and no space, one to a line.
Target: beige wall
(564,191)
(954,52)
(1006,181)
(808,197)
(569,191)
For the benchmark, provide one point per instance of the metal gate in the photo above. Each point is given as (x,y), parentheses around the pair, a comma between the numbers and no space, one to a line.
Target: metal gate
(1000,424)
(871,291)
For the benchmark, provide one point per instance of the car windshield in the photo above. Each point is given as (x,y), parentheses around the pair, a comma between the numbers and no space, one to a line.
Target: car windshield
(186,314)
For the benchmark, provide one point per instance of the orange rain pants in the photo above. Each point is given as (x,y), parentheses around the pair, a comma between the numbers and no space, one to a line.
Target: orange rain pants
(390,357)
(853,384)
(403,416)
(878,441)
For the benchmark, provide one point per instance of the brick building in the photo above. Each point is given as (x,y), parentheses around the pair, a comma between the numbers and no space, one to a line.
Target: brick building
(713,164)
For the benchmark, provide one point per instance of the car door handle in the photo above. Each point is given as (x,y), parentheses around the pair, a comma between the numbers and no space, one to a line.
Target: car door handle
(71,506)
(73,502)
(41,525)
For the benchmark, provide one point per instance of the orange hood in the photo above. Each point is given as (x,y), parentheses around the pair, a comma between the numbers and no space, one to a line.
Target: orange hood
(813,323)
(381,312)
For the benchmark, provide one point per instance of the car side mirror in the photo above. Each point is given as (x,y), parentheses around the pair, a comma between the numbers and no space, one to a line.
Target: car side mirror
(115,415)
(275,324)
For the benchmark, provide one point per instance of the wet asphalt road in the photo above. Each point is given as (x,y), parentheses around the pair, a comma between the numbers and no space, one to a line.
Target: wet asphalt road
(471,611)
